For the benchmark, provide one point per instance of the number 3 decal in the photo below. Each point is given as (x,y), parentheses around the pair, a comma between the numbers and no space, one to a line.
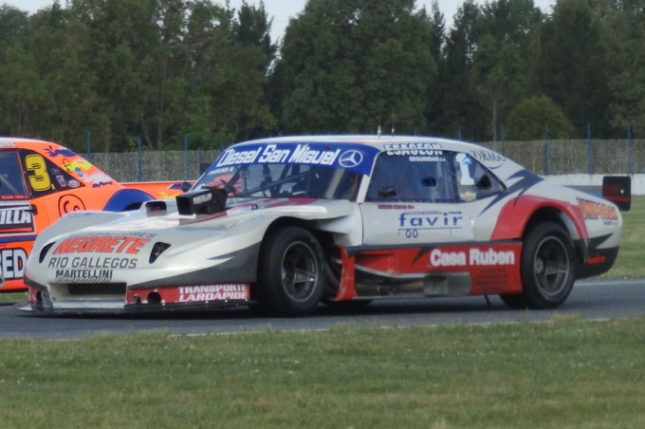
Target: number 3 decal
(39,180)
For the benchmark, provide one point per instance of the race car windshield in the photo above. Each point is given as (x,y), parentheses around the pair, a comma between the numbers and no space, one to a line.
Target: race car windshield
(282,181)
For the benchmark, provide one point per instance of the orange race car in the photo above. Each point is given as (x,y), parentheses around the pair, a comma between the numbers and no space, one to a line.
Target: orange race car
(41,181)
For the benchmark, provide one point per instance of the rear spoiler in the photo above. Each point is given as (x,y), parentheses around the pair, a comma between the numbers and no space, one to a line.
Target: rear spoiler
(618,190)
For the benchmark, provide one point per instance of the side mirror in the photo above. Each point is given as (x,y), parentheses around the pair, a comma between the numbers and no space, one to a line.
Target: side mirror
(185,186)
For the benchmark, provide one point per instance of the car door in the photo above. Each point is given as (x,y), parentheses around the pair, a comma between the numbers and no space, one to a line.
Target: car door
(17,226)
(413,200)
(436,201)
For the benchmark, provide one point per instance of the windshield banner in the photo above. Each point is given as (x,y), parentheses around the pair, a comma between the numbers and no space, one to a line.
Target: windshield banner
(356,158)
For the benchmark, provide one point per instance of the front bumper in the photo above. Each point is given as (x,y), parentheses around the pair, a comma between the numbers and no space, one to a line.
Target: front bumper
(141,300)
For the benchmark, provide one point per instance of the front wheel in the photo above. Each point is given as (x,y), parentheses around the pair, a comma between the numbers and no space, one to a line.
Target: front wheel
(547,268)
(291,273)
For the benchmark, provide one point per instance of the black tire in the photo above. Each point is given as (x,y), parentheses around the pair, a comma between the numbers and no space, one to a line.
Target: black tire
(291,273)
(547,268)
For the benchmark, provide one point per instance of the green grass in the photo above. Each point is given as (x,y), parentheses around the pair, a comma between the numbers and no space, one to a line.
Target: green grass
(565,374)
(629,263)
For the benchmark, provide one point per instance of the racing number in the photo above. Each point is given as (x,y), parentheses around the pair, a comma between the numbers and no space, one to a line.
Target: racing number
(411,233)
(39,179)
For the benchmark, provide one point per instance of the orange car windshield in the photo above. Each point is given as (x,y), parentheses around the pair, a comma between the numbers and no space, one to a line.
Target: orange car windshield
(12,184)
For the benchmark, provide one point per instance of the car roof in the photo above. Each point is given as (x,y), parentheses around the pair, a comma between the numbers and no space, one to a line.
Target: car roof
(20,142)
(399,145)
(381,142)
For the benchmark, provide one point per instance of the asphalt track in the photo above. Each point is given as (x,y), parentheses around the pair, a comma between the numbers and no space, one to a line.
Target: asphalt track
(593,300)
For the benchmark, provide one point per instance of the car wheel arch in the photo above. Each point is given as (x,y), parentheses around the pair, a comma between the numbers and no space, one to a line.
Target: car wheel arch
(290,278)
(324,238)
(557,216)
(556,224)
(126,199)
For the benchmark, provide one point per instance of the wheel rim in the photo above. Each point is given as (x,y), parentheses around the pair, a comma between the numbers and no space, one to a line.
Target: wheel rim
(551,266)
(300,271)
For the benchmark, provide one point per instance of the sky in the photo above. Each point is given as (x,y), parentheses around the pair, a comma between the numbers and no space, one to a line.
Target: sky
(282,10)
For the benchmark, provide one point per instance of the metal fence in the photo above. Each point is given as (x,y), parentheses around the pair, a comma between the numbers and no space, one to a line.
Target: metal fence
(626,156)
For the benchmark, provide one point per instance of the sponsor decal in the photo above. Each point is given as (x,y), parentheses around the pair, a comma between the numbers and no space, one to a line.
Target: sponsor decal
(73,183)
(427,159)
(102,244)
(79,166)
(221,292)
(492,159)
(92,262)
(351,157)
(13,197)
(99,179)
(465,162)
(596,260)
(12,263)
(593,210)
(70,203)
(7,144)
(395,206)
(471,258)
(412,222)
(62,151)
(302,154)
(83,276)
(414,149)
(15,219)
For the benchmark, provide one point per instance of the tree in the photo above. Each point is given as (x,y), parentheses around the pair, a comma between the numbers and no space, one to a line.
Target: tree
(352,66)
(13,26)
(253,28)
(60,46)
(500,62)
(628,54)
(460,107)
(228,75)
(533,116)
(572,64)
(122,38)
(23,95)
(498,77)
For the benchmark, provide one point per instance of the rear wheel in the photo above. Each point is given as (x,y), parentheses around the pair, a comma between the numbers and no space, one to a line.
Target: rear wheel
(547,268)
(291,273)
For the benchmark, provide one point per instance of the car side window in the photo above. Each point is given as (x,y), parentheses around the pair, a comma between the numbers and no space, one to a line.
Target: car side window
(412,178)
(43,176)
(474,181)
(12,183)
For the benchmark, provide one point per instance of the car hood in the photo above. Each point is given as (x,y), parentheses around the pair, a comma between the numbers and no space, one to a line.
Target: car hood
(164,223)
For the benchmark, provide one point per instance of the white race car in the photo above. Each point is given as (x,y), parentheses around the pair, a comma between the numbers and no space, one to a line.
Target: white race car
(283,224)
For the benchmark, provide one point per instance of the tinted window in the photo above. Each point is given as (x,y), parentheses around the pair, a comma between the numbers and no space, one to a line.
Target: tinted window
(474,181)
(412,178)
(283,181)
(12,184)
(43,176)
